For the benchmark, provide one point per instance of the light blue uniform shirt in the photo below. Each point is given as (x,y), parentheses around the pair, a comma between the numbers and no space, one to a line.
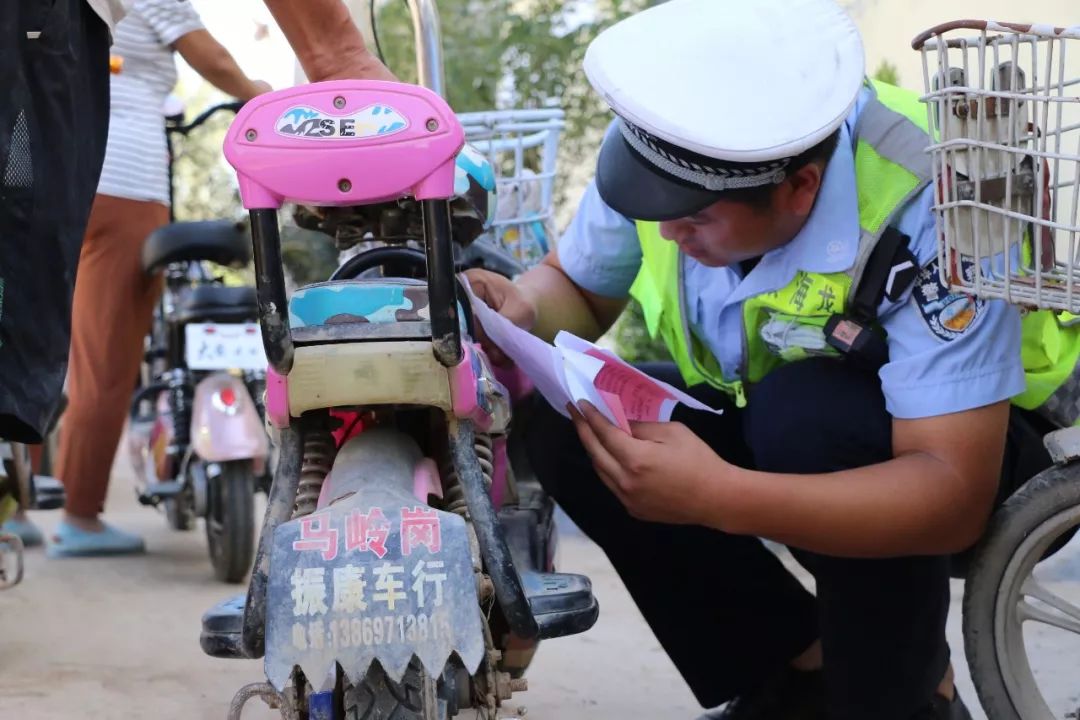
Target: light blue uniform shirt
(927,374)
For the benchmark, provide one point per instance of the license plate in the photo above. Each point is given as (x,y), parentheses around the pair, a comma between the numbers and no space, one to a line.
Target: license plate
(212,346)
(375,576)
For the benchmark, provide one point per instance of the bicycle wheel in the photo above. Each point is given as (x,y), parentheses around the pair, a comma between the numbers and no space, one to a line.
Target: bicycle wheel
(1005,602)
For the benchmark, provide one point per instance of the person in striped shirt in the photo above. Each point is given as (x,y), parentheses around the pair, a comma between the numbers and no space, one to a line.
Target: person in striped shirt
(59,153)
(114,299)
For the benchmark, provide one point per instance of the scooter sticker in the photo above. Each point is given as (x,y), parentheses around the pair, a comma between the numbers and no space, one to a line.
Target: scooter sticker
(947,314)
(375,576)
(368,532)
(303,121)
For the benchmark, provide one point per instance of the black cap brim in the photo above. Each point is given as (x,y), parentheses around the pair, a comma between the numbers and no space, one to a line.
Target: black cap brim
(632,186)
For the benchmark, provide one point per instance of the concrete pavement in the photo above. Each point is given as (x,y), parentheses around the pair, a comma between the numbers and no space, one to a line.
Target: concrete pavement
(118,638)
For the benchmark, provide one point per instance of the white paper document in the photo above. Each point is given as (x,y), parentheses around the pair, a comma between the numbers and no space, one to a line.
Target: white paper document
(573,370)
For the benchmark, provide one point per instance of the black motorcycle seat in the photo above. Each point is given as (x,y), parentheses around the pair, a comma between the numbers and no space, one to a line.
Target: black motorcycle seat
(220,241)
(217,303)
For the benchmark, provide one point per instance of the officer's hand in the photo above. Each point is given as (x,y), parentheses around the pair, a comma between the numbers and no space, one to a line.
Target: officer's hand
(662,473)
(507,299)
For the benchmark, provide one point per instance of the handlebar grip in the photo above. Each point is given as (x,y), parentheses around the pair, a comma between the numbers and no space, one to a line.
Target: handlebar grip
(205,115)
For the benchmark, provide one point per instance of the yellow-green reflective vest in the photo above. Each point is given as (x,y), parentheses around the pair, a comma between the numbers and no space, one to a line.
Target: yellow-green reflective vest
(891,167)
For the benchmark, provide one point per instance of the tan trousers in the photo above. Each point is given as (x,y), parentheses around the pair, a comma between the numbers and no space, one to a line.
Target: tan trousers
(114,302)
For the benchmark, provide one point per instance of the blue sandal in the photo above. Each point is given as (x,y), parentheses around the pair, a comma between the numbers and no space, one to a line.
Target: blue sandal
(28,532)
(70,541)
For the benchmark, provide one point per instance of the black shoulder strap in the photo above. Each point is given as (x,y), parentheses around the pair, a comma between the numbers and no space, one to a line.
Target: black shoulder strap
(890,271)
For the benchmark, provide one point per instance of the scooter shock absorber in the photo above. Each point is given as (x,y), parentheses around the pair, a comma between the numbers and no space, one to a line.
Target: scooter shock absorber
(319,453)
(485,454)
(180,396)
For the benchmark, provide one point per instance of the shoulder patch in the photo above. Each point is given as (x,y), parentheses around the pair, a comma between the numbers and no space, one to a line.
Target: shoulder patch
(947,314)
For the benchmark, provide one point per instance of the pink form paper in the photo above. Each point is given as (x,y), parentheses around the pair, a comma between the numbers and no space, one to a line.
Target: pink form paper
(630,393)
(573,370)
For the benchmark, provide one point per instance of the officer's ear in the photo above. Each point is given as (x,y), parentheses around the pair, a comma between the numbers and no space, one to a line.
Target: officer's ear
(797,193)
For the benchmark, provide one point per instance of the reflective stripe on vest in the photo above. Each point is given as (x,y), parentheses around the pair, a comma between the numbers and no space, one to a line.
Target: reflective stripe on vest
(891,167)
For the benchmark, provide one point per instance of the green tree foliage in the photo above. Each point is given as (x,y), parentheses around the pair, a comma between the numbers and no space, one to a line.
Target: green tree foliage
(471,32)
(524,54)
(887,72)
(631,338)
(205,186)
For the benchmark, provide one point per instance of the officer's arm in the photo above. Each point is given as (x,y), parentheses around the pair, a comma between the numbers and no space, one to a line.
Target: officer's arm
(562,304)
(932,498)
(325,40)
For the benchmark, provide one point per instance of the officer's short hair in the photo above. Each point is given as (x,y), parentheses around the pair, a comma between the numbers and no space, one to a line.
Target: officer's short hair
(760,197)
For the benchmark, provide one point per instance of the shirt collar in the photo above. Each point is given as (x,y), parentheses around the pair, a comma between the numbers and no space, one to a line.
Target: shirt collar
(829,241)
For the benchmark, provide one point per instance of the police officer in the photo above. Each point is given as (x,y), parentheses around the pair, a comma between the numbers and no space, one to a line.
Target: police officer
(770,208)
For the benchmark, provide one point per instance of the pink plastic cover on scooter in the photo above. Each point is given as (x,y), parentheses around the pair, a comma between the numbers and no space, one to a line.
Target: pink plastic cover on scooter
(344,142)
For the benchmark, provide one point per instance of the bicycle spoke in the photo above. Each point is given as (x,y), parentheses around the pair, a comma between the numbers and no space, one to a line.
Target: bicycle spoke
(1034,588)
(1067,616)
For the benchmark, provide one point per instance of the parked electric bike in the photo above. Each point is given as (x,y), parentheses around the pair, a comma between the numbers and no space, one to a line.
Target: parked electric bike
(1003,102)
(405,566)
(196,433)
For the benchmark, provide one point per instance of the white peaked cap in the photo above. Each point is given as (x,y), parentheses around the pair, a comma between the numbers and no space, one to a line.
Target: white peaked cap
(744,81)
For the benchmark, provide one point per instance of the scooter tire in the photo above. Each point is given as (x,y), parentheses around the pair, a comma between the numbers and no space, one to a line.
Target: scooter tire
(230,521)
(993,572)
(380,697)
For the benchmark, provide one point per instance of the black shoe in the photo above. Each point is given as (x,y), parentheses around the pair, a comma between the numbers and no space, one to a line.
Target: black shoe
(942,709)
(791,695)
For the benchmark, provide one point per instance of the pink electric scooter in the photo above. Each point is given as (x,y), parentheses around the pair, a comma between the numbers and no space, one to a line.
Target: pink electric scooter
(404,568)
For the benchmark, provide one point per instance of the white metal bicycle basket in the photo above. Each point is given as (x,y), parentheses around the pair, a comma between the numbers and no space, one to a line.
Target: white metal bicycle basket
(1003,103)
(522,146)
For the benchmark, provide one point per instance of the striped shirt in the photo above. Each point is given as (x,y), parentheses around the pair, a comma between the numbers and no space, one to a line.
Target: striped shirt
(136,159)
